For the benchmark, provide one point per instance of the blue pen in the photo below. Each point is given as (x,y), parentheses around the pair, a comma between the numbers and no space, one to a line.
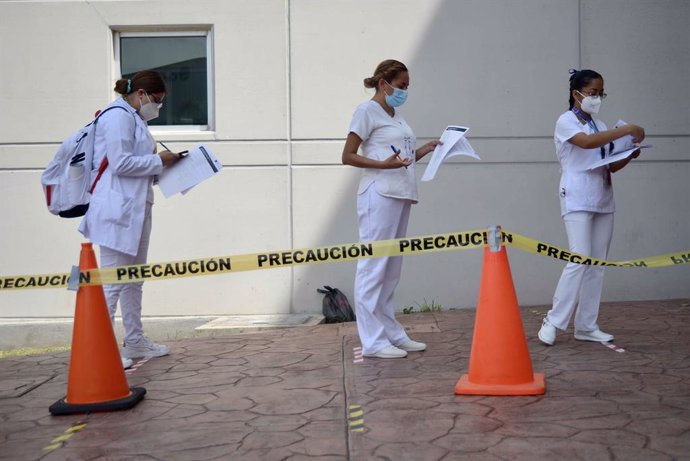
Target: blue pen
(395,151)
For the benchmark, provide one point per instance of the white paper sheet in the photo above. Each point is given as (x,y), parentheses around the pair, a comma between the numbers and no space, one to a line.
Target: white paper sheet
(454,143)
(199,165)
(624,143)
(616,156)
(622,149)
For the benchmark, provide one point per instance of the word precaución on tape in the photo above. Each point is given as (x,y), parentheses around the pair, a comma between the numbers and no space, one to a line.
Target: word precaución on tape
(320,255)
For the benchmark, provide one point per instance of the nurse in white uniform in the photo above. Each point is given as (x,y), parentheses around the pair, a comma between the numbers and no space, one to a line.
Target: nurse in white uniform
(119,214)
(587,206)
(386,191)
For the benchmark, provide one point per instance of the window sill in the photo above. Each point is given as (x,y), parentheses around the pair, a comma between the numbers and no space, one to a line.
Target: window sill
(182,135)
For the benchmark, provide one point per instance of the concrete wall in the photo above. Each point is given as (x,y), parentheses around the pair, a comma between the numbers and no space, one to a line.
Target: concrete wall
(288,75)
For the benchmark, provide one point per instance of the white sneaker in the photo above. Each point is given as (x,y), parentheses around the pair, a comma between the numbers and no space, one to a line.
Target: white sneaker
(144,348)
(547,333)
(411,346)
(390,352)
(594,335)
(126,363)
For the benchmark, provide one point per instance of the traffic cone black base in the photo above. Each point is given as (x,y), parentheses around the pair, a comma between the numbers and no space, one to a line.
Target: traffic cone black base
(61,407)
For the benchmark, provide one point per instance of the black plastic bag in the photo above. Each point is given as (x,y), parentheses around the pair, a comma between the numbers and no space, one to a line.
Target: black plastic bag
(336,307)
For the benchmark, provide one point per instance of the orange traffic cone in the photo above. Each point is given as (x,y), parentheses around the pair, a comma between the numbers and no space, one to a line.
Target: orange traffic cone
(97,380)
(499,361)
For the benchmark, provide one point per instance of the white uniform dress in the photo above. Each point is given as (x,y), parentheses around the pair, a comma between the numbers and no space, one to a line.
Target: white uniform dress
(587,207)
(383,208)
(119,214)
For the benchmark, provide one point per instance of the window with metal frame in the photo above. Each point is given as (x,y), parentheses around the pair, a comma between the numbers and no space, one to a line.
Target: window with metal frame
(183,60)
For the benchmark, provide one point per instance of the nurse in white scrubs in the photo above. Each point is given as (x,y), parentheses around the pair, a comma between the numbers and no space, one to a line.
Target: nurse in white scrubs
(587,206)
(383,145)
(119,214)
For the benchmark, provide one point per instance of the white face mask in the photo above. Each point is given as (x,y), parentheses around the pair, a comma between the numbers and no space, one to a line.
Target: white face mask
(590,104)
(149,111)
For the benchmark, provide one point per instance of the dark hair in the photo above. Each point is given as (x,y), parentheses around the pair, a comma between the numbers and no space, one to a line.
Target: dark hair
(147,80)
(387,70)
(580,79)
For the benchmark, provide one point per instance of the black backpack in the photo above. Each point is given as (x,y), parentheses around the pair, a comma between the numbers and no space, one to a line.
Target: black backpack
(336,307)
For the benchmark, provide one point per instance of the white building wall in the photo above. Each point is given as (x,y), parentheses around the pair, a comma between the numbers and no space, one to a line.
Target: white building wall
(287,77)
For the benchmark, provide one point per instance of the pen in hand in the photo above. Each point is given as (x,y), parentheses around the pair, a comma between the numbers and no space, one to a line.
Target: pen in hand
(180,154)
(395,151)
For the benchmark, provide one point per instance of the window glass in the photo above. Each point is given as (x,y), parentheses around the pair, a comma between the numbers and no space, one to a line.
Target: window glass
(183,63)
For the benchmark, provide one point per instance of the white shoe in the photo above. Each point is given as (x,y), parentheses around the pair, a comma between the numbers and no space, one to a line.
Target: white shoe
(390,352)
(144,348)
(411,346)
(547,333)
(594,335)
(126,363)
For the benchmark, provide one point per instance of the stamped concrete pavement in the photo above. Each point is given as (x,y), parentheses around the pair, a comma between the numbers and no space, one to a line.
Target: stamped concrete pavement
(307,394)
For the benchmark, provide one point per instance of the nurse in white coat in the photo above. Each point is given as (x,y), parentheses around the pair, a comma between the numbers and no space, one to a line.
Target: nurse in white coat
(587,206)
(119,214)
(386,192)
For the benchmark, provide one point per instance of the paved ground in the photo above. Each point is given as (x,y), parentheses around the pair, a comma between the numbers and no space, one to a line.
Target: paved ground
(303,393)
(44,333)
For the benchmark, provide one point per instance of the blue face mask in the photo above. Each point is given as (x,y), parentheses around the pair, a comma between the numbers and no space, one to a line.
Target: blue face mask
(396,99)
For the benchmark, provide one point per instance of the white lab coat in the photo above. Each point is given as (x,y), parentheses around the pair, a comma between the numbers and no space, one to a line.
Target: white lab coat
(115,217)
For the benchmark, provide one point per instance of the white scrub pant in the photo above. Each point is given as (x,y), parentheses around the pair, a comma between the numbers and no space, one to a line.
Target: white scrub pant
(128,294)
(588,234)
(380,218)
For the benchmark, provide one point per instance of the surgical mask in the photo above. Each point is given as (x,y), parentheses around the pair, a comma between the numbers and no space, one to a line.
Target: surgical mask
(149,111)
(396,99)
(590,104)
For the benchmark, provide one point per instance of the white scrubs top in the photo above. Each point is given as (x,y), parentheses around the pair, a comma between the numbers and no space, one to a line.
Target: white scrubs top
(379,131)
(581,189)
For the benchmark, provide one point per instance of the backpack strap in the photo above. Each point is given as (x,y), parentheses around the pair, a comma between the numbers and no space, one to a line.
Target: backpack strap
(101,169)
(49,194)
(104,162)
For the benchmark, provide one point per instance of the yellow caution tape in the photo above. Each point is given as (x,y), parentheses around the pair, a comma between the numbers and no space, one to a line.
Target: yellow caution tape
(356,418)
(326,254)
(62,438)
(59,441)
(545,249)
(77,427)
